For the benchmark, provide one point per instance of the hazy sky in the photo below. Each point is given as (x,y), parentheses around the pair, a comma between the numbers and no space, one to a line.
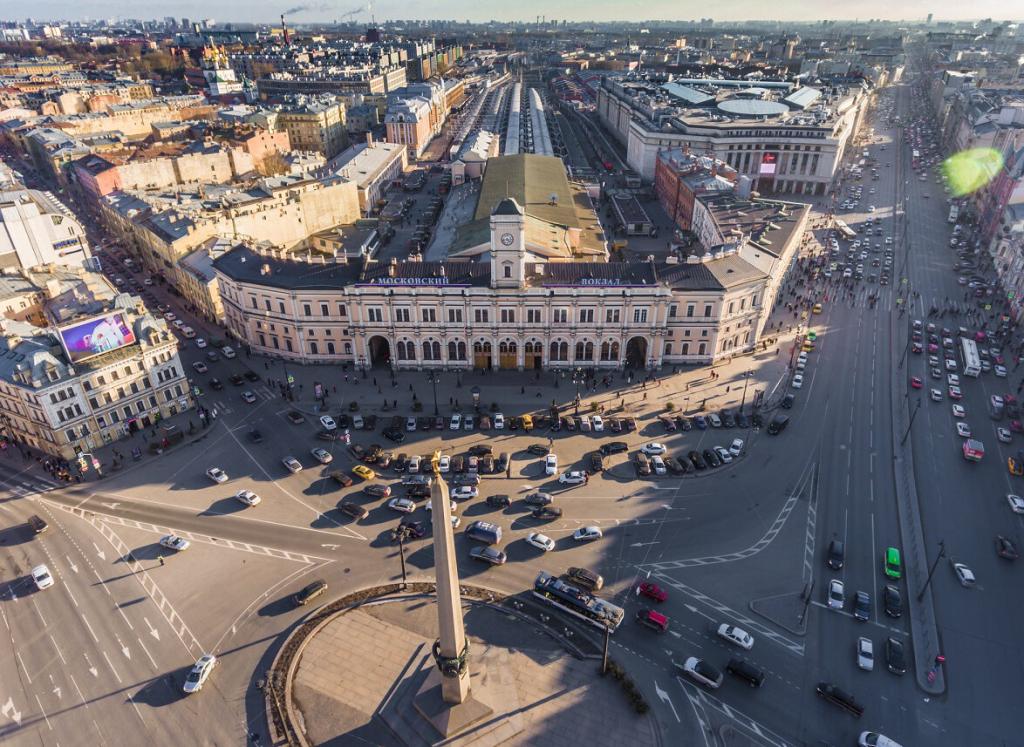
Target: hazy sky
(475,10)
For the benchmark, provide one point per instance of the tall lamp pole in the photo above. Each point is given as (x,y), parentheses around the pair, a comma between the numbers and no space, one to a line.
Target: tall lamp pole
(911,423)
(577,379)
(401,535)
(433,381)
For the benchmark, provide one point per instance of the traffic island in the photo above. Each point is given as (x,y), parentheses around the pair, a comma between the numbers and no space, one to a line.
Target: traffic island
(363,671)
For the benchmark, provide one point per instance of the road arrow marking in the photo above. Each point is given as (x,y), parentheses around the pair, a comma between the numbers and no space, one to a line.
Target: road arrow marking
(71,565)
(331,547)
(103,555)
(10,711)
(112,506)
(663,696)
(124,649)
(696,611)
(644,544)
(56,690)
(152,631)
(92,670)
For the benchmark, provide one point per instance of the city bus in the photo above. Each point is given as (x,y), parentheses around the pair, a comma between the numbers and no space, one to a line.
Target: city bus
(845,231)
(970,357)
(570,599)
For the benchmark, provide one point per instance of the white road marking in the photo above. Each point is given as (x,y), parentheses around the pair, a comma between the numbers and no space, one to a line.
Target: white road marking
(43,711)
(111,665)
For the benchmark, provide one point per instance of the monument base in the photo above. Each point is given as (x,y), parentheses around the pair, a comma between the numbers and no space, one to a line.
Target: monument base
(450,719)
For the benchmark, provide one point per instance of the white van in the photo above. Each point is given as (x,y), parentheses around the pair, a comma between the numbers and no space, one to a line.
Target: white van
(228,351)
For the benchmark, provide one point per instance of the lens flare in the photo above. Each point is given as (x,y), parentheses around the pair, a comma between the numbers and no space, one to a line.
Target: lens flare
(970,170)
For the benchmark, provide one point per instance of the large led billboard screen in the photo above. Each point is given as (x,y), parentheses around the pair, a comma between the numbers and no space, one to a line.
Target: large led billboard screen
(96,336)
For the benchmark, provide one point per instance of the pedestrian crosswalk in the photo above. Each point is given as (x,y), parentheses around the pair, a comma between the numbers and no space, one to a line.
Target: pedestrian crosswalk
(224,406)
(25,489)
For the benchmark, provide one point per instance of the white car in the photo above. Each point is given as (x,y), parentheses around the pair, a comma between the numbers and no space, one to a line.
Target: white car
(1016,503)
(247,497)
(936,395)
(585,534)
(798,380)
(964,574)
(598,422)
(540,541)
(836,594)
(292,464)
(328,423)
(322,455)
(950,364)
(551,464)
(413,467)
(658,465)
(499,421)
(42,578)
(952,379)
(865,654)
(248,397)
(959,411)
(174,542)
(999,371)
(465,492)
(962,429)
(444,463)
(200,367)
(740,637)
(178,324)
(736,448)
(455,423)
(1004,435)
(403,505)
(410,424)
(429,505)
(873,738)
(723,454)
(653,448)
(871,208)
(217,474)
(800,366)
(200,343)
(572,477)
(198,675)
(715,420)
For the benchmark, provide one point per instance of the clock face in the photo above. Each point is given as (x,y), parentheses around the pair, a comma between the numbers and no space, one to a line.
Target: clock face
(507,239)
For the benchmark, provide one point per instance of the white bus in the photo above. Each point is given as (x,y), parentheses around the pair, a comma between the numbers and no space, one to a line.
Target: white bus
(971,359)
(844,230)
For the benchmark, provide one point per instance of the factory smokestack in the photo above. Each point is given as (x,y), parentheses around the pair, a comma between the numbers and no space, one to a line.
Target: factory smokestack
(284,30)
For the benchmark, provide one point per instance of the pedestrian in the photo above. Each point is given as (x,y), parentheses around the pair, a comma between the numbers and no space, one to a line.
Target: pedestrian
(375,381)
(645,396)
(161,561)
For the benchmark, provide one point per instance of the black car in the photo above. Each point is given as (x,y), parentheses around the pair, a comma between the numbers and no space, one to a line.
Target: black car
(1005,548)
(546,513)
(354,510)
(862,606)
(310,592)
(502,464)
(216,384)
(728,419)
(586,578)
(481,450)
(745,671)
(788,400)
(375,490)
(236,379)
(341,478)
(255,436)
(357,451)
(696,459)
(488,554)
(742,420)
(498,501)
(595,462)
(684,423)
(614,447)
(252,376)
(895,659)
(893,601)
(672,465)
(417,491)
(416,529)
(836,555)
(342,420)
(538,449)
(401,462)
(756,420)
(538,499)
(394,435)
(295,417)
(328,435)
(486,464)
(712,458)
(837,696)
(424,423)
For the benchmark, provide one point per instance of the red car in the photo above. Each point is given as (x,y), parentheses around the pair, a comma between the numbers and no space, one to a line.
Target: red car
(916,382)
(1016,427)
(653,591)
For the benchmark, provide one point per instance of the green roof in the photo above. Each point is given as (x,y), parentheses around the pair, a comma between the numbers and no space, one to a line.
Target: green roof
(530,180)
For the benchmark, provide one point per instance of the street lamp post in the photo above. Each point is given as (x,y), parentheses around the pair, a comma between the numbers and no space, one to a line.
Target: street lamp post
(433,381)
(746,381)
(940,556)
(402,534)
(577,379)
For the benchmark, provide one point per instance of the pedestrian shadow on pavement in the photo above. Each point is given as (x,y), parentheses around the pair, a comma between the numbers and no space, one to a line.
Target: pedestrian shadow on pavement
(17,535)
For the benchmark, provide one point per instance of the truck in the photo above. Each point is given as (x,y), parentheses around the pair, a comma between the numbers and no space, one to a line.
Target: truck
(954,213)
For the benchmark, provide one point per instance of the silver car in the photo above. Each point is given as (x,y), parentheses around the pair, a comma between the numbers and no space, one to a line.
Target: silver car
(865,654)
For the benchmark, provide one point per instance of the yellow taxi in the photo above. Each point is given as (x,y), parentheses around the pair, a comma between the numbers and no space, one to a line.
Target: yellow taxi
(808,346)
(1015,467)
(361,470)
(817,308)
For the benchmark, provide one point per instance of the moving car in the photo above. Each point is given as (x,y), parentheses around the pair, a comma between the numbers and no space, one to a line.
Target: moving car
(41,577)
(840,698)
(465,492)
(702,672)
(836,554)
(540,541)
(310,592)
(1005,548)
(546,513)
(836,594)
(328,423)
(538,499)
(862,606)
(292,464)
(217,474)
(247,497)
(865,654)
(652,591)
(891,563)
(964,574)
(174,542)
(573,477)
(895,658)
(488,554)
(892,601)
(402,505)
(1016,503)
(498,501)
(199,673)
(354,510)
(322,455)
(586,578)
(653,448)
(377,491)
(874,739)
(586,534)
(736,636)
(551,464)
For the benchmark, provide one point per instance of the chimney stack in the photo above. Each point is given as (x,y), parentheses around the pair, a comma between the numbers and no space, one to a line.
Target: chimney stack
(284,30)
(369,139)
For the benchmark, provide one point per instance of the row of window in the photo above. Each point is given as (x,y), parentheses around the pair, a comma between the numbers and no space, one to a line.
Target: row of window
(129,412)
(508,315)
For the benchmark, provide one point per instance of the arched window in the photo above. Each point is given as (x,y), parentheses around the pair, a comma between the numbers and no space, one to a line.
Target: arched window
(702,348)
(584,351)
(426,351)
(559,351)
(686,348)
(668,348)
(312,348)
(330,348)
(614,355)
